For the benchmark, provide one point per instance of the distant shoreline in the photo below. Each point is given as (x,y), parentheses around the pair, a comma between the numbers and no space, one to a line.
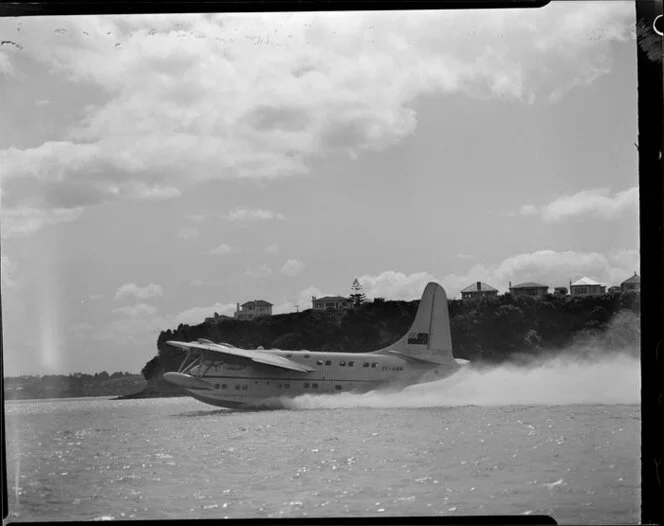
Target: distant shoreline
(77,385)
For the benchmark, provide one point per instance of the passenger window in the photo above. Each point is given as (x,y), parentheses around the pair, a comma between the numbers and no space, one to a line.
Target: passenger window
(245,387)
(337,387)
(306,356)
(365,364)
(342,363)
(319,362)
(315,386)
(373,364)
(216,386)
(224,386)
(237,387)
(286,386)
(350,364)
(328,362)
(278,386)
(289,356)
(306,385)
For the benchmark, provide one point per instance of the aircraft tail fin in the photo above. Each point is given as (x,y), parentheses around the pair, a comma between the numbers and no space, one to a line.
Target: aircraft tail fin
(429,336)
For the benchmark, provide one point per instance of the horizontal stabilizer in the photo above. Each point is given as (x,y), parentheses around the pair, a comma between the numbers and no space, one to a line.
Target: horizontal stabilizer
(213,352)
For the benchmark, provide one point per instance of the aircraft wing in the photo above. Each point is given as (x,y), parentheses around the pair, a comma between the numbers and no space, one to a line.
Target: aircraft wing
(214,352)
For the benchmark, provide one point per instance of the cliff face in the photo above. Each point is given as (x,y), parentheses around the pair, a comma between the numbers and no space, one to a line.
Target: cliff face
(488,330)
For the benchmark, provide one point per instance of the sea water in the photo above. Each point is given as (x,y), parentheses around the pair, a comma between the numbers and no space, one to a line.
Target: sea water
(561,439)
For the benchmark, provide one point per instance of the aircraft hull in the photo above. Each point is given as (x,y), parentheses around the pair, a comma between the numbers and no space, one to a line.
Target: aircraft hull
(233,392)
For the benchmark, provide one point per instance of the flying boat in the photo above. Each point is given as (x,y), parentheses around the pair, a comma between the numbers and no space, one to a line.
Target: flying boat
(223,375)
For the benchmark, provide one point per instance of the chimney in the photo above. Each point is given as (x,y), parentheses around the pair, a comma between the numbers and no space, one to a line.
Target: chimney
(238,307)
(510,285)
(479,285)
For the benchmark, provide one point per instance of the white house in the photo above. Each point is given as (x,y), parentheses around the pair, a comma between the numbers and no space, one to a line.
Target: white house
(253,309)
(331,303)
(586,287)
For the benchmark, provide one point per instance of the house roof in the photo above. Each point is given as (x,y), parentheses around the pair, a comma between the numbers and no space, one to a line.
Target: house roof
(634,279)
(257,302)
(530,285)
(585,281)
(332,298)
(483,288)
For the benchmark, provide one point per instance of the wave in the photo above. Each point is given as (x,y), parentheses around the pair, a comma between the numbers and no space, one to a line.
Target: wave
(614,379)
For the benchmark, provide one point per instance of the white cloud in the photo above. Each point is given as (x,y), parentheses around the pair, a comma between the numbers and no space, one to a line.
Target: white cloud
(596,203)
(222,250)
(131,290)
(188,233)
(395,285)
(196,283)
(134,329)
(23,222)
(42,102)
(292,267)
(245,214)
(302,300)
(548,267)
(155,192)
(462,255)
(196,218)
(261,272)
(295,87)
(140,309)
(272,249)
(528,210)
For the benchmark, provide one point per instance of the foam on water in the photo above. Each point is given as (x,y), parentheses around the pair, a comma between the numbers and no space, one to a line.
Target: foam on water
(614,379)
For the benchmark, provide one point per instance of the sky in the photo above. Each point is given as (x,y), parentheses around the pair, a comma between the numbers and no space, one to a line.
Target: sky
(157,169)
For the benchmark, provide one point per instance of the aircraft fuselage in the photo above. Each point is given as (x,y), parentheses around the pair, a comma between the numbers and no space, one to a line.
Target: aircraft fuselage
(236,385)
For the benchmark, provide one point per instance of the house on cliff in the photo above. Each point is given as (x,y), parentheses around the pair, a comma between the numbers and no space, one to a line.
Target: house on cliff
(631,284)
(253,309)
(331,303)
(529,288)
(586,287)
(477,290)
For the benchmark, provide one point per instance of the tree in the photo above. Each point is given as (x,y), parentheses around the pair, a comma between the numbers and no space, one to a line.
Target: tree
(356,293)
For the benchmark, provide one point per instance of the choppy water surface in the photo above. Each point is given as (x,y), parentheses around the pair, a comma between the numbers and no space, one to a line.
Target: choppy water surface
(408,453)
